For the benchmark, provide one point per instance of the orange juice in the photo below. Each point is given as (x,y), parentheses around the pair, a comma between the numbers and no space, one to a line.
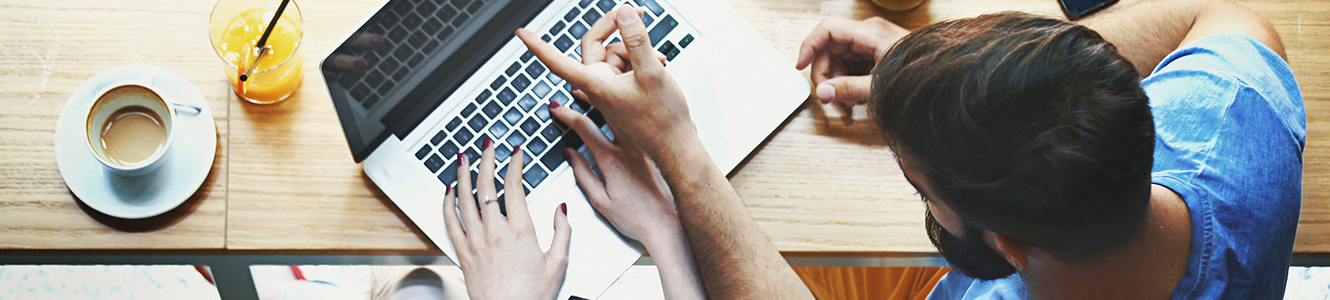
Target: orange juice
(278,74)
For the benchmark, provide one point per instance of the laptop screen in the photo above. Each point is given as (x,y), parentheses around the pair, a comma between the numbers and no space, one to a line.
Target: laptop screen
(410,56)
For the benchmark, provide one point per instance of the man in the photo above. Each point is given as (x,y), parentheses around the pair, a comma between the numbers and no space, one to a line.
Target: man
(1050,169)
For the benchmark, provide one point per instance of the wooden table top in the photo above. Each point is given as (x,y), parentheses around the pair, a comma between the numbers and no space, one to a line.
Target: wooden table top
(283,178)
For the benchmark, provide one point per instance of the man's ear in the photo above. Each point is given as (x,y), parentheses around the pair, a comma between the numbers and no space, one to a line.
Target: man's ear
(1016,253)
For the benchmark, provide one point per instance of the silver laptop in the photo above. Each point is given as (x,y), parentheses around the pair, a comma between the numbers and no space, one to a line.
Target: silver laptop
(424,80)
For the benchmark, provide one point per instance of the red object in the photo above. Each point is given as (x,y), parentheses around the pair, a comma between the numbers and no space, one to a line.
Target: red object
(486,144)
(299,276)
(206,275)
(518,148)
(554,105)
(563,207)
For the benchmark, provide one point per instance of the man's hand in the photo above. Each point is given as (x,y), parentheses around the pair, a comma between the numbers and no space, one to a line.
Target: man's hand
(498,254)
(843,53)
(630,86)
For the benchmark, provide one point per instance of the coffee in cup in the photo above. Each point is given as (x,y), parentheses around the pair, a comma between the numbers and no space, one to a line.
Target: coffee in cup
(129,128)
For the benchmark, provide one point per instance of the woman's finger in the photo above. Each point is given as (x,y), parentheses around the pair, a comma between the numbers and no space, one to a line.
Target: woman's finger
(475,229)
(584,127)
(486,193)
(454,226)
(591,185)
(514,193)
(557,257)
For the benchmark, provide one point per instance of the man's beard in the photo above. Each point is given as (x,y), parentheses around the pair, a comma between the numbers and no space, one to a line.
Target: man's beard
(969,254)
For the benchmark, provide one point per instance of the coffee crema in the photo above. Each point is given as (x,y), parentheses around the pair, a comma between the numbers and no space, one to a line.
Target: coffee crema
(132,134)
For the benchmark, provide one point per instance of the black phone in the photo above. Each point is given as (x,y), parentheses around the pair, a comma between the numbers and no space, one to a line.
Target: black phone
(1075,9)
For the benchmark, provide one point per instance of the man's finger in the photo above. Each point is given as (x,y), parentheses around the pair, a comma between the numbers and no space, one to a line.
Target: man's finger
(637,41)
(566,67)
(593,41)
(846,89)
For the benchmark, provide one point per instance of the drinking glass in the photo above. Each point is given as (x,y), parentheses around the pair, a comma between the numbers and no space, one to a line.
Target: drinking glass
(235,29)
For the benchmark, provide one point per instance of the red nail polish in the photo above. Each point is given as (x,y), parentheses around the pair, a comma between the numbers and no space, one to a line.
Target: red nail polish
(554,105)
(563,207)
(575,89)
(486,144)
(568,152)
(460,160)
(517,149)
(450,190)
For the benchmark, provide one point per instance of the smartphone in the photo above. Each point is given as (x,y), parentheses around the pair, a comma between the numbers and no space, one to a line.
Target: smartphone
(1075,9)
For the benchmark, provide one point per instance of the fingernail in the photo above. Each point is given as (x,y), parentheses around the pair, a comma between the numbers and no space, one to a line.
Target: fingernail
(450,190)
(517,149)
(575,89)
(627,16)
(378,41)
(826,92)
(555,104)
(486,145)
(461,160)
(360,65)
(563,207)
(568,153)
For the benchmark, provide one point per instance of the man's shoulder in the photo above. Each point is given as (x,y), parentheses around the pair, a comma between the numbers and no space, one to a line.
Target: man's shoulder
(958,286)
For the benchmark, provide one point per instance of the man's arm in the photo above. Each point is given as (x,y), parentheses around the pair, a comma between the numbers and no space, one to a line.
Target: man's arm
(1146,32)
(735,258)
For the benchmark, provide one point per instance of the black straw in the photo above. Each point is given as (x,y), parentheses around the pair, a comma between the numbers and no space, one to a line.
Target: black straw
(267,31)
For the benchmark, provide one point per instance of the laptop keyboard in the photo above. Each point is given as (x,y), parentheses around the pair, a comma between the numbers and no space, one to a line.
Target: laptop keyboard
(512,110)
(416,28)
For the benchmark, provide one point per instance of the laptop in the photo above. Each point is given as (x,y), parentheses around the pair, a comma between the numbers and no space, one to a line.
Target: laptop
(423,80)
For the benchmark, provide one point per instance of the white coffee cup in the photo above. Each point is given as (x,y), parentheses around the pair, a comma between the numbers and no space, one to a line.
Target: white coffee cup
(129,128)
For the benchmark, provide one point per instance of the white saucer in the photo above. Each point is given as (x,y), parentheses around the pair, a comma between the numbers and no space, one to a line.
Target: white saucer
(188,159)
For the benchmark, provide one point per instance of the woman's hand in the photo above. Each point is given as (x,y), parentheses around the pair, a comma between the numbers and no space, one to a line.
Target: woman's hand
(499,255)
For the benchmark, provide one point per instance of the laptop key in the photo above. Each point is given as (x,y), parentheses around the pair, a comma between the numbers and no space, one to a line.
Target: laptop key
(452,125)
(554,156)
(424,150)
(512,116)
(591,16)
(663,28)
(572,15)
(687,39)
(551,132)
(449,149)
(563,43)
(528,55)
(517,138)
(596,117)
(572,140)
(520,82)
(605,5)
(541,89)
(492,110)
(477,123)
(669,50)
(545,38)
(498,83)
(534,176)
(475,6)
(652,6)
(584,3)
(543,112)
(554,30)
(560,97)
(506,96)
(470,108)
(434,163)
(536,147)
(501,153)
(463,135)
(535,69)
(527,102)
(516,66)
(445,33)
(530,126)
(449,175)
(460,20)
(498,129)
(553,78)
(647,19)
(485,94)
(446,13)
(577,30)
(438,137)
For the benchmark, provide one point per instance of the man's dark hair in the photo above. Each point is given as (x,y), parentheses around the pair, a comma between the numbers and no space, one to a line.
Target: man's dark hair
(1026,126)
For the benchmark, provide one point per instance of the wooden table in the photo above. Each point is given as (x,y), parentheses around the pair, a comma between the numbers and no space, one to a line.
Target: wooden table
(284,179)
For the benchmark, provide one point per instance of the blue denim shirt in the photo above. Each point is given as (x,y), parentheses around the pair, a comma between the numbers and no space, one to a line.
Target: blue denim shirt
(1229,129)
